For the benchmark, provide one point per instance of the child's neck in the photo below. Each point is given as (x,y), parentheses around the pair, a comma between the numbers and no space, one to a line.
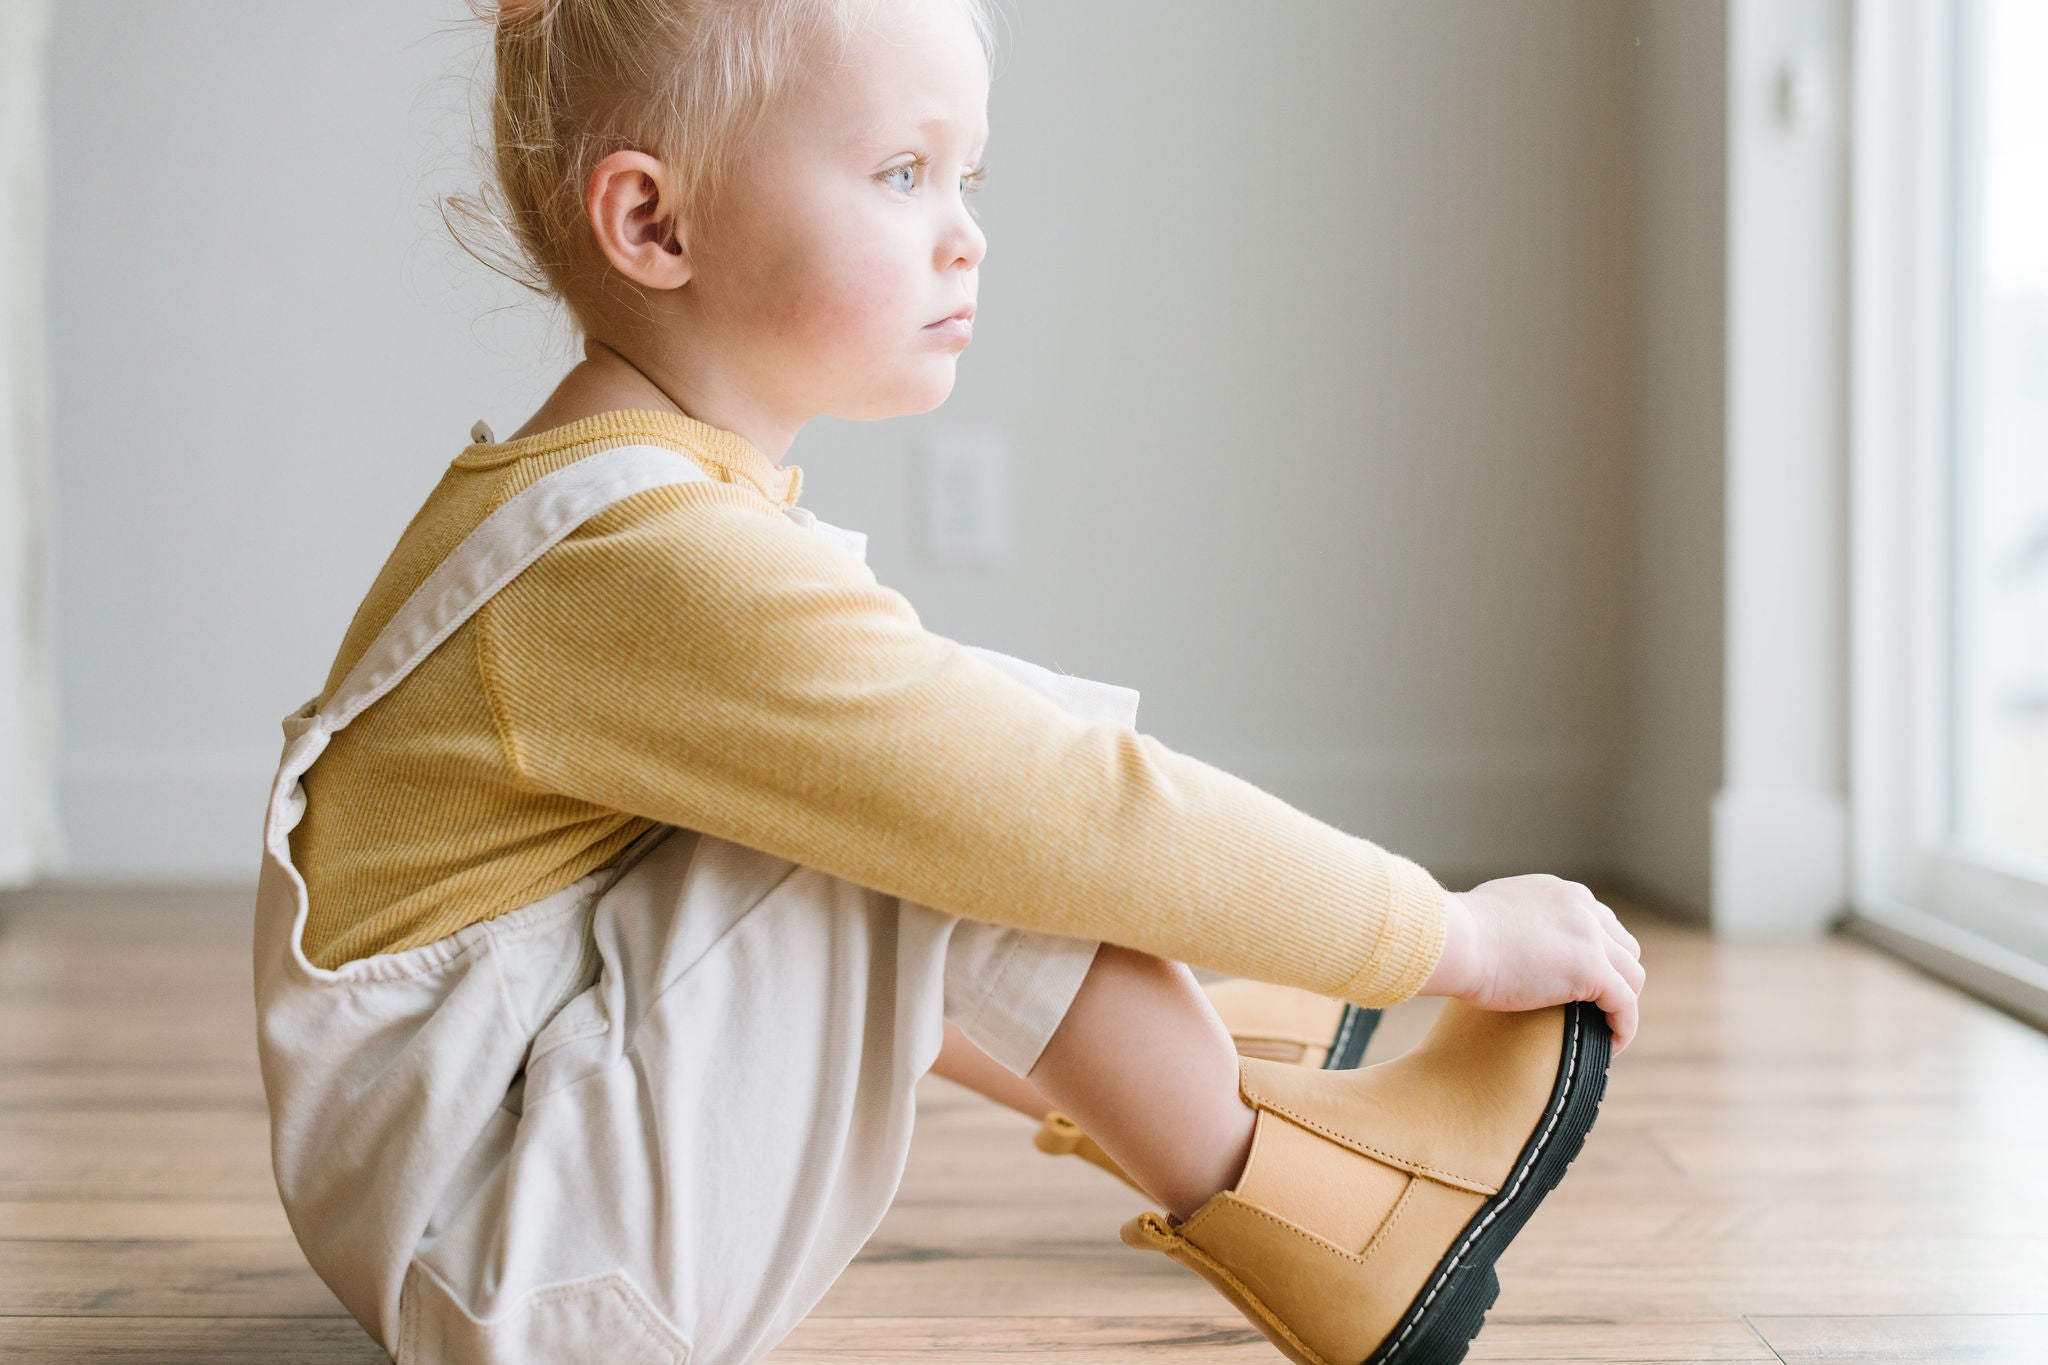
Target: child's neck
(607,381)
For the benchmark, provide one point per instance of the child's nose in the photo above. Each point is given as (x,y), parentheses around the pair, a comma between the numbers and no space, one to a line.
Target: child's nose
(963,244)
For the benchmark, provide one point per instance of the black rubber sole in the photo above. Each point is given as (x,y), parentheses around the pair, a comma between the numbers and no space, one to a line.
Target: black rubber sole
(1439,1325)
(1354,1030)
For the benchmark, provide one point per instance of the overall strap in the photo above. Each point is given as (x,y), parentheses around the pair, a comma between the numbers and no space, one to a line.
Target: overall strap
(492,555)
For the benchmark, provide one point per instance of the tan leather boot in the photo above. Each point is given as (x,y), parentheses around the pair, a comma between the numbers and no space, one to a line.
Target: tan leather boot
(1276,1023)
(1288,1024)
(1365,1225)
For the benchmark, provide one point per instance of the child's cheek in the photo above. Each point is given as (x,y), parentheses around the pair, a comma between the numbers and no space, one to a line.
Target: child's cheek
(836,290)
(861,300)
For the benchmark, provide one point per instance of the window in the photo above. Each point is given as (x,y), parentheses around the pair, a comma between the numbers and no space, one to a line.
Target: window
(1998,456)
(1949,489)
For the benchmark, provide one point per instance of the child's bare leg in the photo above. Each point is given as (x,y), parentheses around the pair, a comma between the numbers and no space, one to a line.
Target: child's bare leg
(962,1062)
(1144,1064)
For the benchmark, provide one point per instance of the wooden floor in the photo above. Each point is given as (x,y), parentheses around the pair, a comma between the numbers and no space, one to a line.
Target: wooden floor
(1812,1155)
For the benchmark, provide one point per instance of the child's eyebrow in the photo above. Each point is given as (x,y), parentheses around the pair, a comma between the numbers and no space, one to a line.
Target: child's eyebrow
(884,132)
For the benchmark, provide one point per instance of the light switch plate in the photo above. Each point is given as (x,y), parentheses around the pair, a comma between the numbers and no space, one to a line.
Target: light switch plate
(963,496)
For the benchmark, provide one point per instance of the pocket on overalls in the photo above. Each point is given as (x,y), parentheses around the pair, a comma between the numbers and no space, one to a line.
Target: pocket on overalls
(604,1317)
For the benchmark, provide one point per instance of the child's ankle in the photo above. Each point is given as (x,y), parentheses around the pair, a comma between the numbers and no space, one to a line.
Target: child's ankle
(1230,1149)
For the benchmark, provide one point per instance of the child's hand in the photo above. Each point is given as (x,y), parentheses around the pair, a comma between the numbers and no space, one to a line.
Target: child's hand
(1521,943)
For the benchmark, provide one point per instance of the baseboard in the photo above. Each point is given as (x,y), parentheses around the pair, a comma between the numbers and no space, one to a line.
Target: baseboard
(1781,862)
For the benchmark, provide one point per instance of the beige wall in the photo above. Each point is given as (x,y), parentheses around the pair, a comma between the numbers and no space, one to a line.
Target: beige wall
(1313,327)
(1673,764)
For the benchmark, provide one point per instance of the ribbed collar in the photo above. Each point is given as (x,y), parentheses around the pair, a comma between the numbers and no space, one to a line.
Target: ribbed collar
(726,451)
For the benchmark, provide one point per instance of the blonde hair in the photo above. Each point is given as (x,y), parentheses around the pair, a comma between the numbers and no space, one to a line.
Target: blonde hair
(576,80)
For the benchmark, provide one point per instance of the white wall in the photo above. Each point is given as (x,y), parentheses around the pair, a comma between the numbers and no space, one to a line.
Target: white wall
(1313,328)
(259,369)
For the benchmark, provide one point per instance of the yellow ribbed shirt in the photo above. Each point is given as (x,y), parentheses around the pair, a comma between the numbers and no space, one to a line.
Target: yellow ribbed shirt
(691,656)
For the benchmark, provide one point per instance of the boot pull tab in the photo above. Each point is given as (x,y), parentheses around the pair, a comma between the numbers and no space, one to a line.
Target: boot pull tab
(1058,1135)
(1150,1231)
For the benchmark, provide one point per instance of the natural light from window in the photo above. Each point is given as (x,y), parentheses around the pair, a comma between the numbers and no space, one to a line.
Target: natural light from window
(2001,467)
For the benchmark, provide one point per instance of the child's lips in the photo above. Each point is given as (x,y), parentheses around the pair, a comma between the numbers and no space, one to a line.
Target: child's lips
(960,326)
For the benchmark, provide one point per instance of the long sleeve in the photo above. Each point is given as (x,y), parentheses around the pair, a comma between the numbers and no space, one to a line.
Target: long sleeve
(686,658)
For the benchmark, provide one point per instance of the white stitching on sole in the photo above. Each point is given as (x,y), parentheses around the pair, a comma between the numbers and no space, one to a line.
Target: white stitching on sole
(1563,1098)
(1352,1014)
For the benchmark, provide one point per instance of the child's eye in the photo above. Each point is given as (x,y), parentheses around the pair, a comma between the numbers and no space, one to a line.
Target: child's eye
(908,172)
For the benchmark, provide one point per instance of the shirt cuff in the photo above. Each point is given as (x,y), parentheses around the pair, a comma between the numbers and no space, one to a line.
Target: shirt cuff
(1410,942)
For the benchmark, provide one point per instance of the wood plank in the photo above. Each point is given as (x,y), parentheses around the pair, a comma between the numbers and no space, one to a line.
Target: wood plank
(159,1221)
(121,1084)
(172,1029)
(265,1278)
(1894,1340)
(1052,1340)
(1826,1277)
(961,1340)
(189,1341)
(188,1155)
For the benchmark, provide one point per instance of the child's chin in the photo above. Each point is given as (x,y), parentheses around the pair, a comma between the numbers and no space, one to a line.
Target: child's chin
(921,394)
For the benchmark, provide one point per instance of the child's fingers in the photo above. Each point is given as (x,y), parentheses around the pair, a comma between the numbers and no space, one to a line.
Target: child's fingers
(1618,1000)
(1617,930)
(1625,962)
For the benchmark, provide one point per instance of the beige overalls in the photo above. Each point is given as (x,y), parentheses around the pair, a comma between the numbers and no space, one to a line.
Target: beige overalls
(650,1117)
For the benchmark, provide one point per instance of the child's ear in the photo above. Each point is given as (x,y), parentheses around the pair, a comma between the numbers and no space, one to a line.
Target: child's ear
(630,199)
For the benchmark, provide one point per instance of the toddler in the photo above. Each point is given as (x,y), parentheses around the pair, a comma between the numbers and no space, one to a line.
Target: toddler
(642,851)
